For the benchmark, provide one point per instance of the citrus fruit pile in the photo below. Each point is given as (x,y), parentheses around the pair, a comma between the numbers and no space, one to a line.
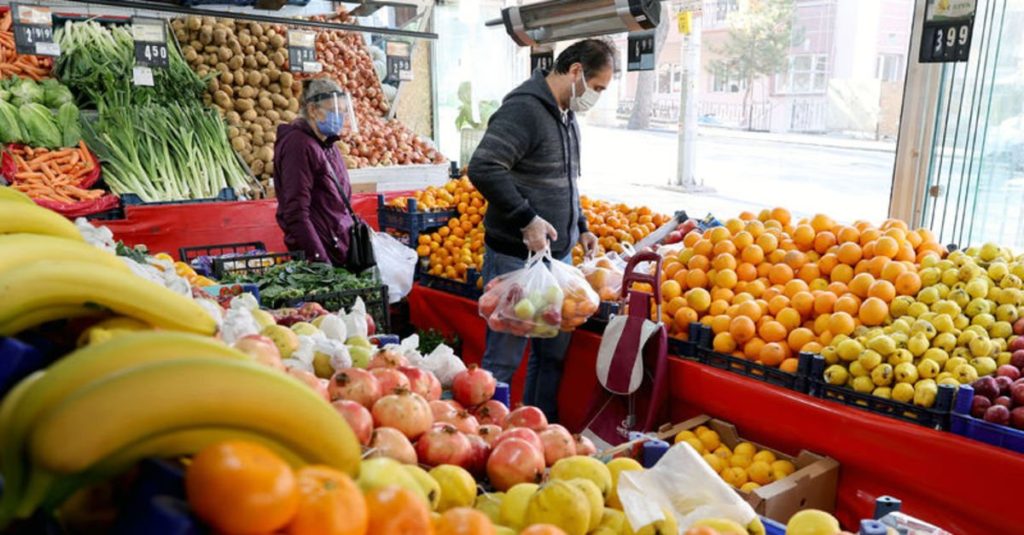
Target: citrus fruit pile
(616,224)
(458,246)
(744,467)
(770,287)
(433,197)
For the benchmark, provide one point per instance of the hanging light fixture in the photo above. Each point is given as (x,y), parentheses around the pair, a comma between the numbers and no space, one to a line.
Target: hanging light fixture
(562,20)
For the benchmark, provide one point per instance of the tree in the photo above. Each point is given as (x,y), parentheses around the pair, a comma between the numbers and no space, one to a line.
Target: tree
(640,117)
(760,36)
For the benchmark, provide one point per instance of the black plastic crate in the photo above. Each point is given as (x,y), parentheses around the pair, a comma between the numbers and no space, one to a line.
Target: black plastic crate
(936,417)
(468,289)
(375,298)
(410,222)
(701,336)
(682,348)
(225,195)
(252,265)
(188,254)
(599,321)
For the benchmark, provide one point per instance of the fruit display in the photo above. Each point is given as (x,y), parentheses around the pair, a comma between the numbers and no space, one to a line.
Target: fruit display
(745,467)
(616,224)
(770,287)
(447,197)
(456,248)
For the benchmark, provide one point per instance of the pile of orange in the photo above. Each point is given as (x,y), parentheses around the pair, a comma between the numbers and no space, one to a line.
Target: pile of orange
(458,246)
(770,287)
(435,198)
(616,224)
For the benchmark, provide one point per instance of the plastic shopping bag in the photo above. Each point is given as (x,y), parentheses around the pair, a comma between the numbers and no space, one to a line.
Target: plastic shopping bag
(397,265)
(525,302)
(604,275)
(580,301)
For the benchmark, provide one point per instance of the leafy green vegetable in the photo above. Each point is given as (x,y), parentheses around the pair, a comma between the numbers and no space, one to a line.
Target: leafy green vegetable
(139,253)
(40,126)
(5,95)
(10,124)
(290,281)
(69,122)
(26,92)
(55,94)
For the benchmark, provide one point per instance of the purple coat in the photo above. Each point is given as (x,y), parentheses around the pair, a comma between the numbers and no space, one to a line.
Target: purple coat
(310,211)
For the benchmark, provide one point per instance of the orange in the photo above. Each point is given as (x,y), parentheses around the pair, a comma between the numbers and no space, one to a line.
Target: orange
(882,289)
(827,263)
(696,278)
(848,303)
(670,289)
(718,234)
(742,329)
(824,241)
(809,272)
(767,242)
(396,510)
(772,331)
(887,246)
(720,324)
(822,222)
(752,349)
(848,234)
(803,302)
(464,521)
(824,302)
(877,264)
(722,294)
(842,273)
(789,365)
(837,288)
(330,503)
(723,343)
(868,235)
(798,338)
(776,256)
(746,272)
(724,261)
(781,215)
(772,354)
(816,347)
(542,529)
(703,247)
(892,270)
(908,283)
(241,487)
(742,239)
(690,239)
(724,247)
(718,307)
(726,278)
(749,309)
(756,288)
(777,303)
(698,261)
(795,259)
(755,228)
(841,323)
(821,323)
(780,274)
(674,305)
(803,237)
(849,253)
(860,284)
(789,318)
(873,311)
(671,267)
(752,254)
(794,287)
(684,317)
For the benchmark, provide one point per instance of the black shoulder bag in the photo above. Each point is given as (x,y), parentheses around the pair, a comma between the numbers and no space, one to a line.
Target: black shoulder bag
(360,243)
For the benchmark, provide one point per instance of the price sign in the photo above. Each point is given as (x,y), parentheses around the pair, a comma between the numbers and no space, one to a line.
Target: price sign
(33,31)
(302,52)
(947,31)
(142,76)
(399,61)
(640,51)
(150,36)
(542,58)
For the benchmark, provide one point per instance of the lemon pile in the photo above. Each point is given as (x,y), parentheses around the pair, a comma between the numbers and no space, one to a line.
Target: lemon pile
(744,467)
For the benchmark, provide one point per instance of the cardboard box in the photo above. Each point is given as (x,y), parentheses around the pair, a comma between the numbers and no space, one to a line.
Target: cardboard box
(812,486)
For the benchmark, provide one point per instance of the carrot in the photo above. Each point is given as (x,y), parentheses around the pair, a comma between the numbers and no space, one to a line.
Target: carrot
(26,175)
(50,156)
(75,157)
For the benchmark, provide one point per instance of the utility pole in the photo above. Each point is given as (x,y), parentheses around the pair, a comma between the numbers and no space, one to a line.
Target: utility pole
(689,23)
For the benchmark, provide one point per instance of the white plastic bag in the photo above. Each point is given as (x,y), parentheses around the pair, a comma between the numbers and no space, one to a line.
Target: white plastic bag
(443,363)
(580,301)
(355,320)
(685,484)
(525,302)
(604,273)
(396,263)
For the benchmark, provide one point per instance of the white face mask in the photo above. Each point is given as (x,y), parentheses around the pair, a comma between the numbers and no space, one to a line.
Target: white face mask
(584,102)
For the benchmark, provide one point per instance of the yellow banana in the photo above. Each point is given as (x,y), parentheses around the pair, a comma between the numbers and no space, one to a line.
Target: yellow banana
(67,282)
(8,194)
(17,217)
(40,316)
(18,249)
(76,370)
(106,415)
(109,328)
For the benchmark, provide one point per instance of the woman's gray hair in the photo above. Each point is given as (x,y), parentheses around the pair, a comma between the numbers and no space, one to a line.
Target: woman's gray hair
(314,88)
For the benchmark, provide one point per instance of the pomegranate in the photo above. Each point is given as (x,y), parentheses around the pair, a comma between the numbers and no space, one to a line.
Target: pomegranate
(443,444)
(405,411)
(418,380)
(358,418)
(262,349)
(390,379)
(490,433)
(473,386)
(390,442)
(434,388)
(356,385)
(311,380)
(514,461)
(442,411)
(466,423)
(480,450)
(388,358)
(526,435)
(528,417)
(558,443)
(491,412)
(584,446)
(454,404)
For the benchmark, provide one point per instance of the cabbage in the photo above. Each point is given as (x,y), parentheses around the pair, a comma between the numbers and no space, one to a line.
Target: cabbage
(26,92)
(10,125)
(5,95)
(55,94)
(69,125)
(40,126)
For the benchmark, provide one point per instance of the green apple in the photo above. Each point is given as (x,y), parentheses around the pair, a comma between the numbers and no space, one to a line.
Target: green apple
(524,309)
(359,341)
(360,356)
(284,338)
(304,328)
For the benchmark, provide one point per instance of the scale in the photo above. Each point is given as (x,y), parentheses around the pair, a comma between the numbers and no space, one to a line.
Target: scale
(562,20)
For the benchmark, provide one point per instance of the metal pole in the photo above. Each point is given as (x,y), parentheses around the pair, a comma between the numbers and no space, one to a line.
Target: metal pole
(687,128)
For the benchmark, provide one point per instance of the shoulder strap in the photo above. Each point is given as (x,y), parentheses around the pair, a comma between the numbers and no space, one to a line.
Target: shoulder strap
(341,189)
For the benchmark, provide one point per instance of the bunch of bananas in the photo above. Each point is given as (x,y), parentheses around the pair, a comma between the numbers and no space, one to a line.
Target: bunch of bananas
(132,392)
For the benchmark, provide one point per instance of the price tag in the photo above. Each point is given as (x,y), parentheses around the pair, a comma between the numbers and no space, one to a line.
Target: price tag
(33,31)
(142,76)
(542,58)
(302,52)
(150,37)
(947,31)
(399,61)
(640,51)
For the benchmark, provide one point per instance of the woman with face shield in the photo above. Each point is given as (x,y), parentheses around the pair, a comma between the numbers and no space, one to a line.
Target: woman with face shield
(310,178)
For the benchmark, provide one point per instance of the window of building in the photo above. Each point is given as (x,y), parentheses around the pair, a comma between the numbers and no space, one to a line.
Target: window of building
(722,82)
(670,78)
(807,73)
(889,67)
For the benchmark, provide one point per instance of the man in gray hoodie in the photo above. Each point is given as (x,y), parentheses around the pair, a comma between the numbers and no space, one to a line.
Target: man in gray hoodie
(527,166)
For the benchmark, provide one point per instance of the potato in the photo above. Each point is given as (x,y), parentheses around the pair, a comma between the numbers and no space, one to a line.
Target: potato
(256,29)
(265,153)
(278,58)
(257,167)
(221,99)
(286,79)
(226,77)
(244,39)
(224,53)
(288,116)
(264,79)
(233,118)
(229,89)
(238,143)
(279,101)
(236,62)
(193,22)
(255,78)
(293,104)
(274,74)
(274,88)
(269,168)
(262,46)
(243,104)
(258,140)
(272,115)
(233,132)
(240,76)
(264,123)
(220,35)
(250,115)
(250,62)
(206,35)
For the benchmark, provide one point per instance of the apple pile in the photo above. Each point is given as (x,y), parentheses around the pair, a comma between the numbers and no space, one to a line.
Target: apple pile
(680,232)
(1000,399)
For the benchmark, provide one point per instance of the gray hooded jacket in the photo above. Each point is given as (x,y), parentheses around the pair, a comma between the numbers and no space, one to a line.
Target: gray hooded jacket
(527,165)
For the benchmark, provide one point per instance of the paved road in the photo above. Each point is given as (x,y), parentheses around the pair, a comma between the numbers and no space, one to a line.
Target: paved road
(746,174)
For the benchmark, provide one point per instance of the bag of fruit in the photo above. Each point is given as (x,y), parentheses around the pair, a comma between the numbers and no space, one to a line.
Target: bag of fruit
(580,301)
(525,302)
(604,276)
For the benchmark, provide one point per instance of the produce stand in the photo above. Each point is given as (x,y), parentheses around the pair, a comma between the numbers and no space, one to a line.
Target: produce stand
(877,455)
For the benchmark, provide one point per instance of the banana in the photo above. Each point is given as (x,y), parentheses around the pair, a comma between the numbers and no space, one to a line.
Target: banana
(38,395)
(40,316)
(31,219)
(17,249)
(123,408)
(67,282)
(109,328)
(8,194)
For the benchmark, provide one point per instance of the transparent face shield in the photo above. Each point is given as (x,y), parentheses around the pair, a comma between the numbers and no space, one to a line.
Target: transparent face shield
(335,115)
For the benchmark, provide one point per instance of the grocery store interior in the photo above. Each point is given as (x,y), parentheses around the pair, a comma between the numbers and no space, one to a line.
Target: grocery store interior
(793,302)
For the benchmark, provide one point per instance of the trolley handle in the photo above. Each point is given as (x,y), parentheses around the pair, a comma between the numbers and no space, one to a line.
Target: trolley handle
(630,277)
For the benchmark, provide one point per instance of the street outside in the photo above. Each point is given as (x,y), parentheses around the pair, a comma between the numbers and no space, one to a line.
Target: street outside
(807,174)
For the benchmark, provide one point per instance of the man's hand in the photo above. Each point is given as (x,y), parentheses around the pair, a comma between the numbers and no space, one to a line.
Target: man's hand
(589,242)
(537,234)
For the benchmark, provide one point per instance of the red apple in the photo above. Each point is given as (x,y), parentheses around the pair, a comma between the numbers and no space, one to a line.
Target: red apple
(1016,344)
(1018,327)
(1008,370)
(371,326)
(262,349)
(1004,401)
(1017,418)
(979,404)
(986,387)
(1004,384)
(1017,393)
(1017,359)
(997,414)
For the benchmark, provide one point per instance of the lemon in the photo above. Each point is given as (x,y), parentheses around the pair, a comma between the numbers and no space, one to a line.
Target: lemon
(745,448)
(715,462)
(750,486)
(765,456)
(710,440)
(741,461)
(623,464)
(735,476)
(812,522)
(683,435)
(760,472)
(458,488)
